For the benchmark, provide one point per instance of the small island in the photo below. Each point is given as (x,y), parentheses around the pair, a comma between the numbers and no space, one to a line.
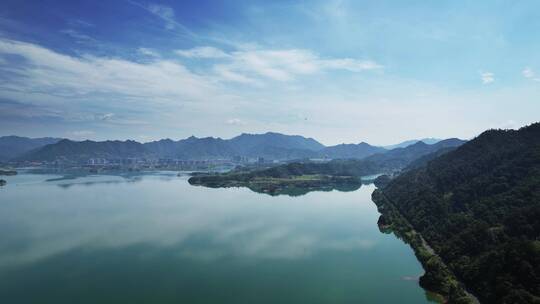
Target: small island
(292,185)
(2,182)
(7,172)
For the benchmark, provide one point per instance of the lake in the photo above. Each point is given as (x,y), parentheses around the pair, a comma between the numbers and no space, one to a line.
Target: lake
(156,239)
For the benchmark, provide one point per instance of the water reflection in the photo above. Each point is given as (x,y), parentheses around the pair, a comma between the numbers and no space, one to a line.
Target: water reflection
(295,191)
(89,179)
(114,214)
(92,233)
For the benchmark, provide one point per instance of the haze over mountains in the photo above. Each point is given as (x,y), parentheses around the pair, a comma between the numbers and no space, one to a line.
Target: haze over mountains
(14,146)
(428,140)
(271,146)
(385,162)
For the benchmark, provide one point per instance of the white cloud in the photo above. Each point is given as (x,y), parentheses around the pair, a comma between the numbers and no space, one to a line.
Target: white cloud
(350,65)
(105,117)
(202,52)
(78,36)
(55,74)
(80,23)
(235,122)
(530,74)
(253,65)
(225,73)
(487,77)
(165,13)
(148,52)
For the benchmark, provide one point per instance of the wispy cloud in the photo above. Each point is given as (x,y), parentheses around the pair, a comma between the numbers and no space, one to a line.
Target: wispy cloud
(57,74)
(148,52)
(246,66)
(286,65)
(202,52)
(164,12)
(78,36)
(80,23)
(105,117)
(487,77)
(530,74)
(235,122)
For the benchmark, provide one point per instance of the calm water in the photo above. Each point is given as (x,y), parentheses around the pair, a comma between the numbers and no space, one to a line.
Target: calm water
(156,239)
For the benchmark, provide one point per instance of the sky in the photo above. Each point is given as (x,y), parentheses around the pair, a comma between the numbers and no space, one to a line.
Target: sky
(337,71)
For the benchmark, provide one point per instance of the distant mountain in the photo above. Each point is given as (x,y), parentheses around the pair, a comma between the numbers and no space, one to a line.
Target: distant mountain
(350,151)
(275,146)
(268,145)
(13,146)
(399,158)
(82,150)
(384,162)
(271,146)
(429,141)
(246,143)
(166,148)
(205,148)
(478,207)
(422,161)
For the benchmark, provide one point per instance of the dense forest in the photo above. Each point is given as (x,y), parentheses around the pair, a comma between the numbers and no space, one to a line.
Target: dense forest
(478,207)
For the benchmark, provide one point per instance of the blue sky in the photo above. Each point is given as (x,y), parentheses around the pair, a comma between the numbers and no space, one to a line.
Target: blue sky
(338,71)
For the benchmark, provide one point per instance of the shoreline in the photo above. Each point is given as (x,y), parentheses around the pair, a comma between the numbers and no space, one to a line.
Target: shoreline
(438,278)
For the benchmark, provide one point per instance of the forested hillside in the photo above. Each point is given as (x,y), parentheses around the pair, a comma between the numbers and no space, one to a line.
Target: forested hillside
(479,208)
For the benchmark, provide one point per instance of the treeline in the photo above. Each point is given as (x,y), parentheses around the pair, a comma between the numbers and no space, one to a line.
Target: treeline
(394,160)
(479,209)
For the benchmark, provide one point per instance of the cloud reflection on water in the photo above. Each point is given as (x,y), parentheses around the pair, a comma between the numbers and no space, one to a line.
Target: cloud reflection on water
(41,221)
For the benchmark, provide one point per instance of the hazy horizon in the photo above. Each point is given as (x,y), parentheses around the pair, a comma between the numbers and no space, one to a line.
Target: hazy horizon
(228,138)
(335,71)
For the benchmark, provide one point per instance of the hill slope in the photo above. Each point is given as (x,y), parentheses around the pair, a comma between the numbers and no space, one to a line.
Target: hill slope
(479,208)
(350,151)
(429,141)
(13,146)
(82,150)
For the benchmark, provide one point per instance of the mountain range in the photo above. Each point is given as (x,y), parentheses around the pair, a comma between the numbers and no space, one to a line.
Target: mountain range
(271,146)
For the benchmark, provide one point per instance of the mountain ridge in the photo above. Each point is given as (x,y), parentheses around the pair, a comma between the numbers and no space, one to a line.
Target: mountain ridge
(403,144)
(270,145)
